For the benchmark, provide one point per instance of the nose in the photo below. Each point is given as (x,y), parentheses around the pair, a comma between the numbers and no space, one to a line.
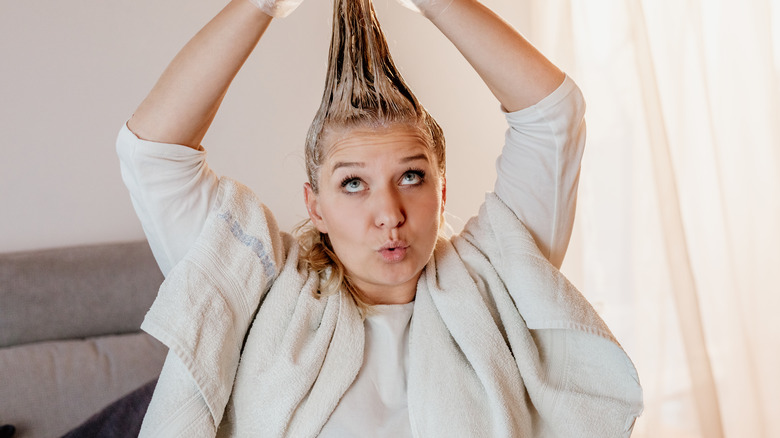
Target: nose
(388,209)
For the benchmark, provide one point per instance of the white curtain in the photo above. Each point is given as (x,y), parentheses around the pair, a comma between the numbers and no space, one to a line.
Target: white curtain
(677,239)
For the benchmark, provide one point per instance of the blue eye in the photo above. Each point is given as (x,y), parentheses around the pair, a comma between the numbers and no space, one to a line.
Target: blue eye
(413,177)
(352,185)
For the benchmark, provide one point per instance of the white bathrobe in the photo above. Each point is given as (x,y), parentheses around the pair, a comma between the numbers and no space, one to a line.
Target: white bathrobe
(501,344)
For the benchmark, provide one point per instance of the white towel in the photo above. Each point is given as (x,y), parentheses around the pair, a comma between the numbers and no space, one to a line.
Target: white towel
(497,327)
(500,343)
(209,301)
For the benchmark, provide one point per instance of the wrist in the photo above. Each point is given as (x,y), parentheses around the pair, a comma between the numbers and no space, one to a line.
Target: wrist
(276,8)
(431,9)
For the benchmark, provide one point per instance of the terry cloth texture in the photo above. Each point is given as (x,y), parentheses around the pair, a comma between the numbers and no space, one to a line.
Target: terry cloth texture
(501,344)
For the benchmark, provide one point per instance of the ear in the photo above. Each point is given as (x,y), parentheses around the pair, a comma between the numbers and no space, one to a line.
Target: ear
(313,207)
(443,193)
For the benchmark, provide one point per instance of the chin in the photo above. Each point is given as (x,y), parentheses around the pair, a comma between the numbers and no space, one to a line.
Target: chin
(402,277)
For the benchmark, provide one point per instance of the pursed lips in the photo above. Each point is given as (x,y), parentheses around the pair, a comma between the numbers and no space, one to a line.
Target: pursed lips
(393,251)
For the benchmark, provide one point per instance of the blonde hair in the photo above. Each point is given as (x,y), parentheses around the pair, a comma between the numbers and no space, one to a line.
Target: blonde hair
(363,89)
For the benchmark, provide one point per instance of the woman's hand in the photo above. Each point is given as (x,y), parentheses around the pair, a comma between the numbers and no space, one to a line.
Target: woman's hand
(429,8)
(277,8)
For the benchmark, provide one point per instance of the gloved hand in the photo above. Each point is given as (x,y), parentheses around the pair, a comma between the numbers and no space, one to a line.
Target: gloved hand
(429,8)
(277,8)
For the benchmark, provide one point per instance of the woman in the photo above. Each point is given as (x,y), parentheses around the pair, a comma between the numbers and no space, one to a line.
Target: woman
(371,324)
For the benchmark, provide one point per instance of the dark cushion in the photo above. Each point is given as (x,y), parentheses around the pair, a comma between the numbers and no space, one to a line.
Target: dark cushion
(121,419)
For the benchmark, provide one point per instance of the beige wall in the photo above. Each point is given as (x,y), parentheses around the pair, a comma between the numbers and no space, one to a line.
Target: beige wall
(72,72)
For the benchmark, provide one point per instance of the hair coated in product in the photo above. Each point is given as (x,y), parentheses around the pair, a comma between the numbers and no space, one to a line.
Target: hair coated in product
(363,89)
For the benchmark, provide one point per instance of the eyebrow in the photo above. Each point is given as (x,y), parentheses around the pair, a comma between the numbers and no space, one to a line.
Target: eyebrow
(419,156)
(341,164)
(361,164)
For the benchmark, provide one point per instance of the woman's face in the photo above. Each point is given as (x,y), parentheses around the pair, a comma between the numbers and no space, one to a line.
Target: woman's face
(380,201)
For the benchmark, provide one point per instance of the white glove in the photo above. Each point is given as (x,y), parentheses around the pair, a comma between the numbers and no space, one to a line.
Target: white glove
(277,8)
(429,8)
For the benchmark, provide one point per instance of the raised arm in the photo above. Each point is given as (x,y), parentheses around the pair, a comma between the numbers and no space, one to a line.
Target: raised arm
(171,186)
(183,103)
(538,170)
(517,74)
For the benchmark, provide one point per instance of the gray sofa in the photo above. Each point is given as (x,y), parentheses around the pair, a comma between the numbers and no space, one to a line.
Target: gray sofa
(69,337)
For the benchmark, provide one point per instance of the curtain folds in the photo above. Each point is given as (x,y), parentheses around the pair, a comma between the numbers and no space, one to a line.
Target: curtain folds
(678,228)
(684,288)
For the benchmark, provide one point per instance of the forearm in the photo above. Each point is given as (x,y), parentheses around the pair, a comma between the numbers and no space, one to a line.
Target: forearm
(517,74)
(183,103)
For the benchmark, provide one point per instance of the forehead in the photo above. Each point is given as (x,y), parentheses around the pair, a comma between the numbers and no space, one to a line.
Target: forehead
(395,144)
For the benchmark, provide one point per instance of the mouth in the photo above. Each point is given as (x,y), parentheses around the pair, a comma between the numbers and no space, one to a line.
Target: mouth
(393,252)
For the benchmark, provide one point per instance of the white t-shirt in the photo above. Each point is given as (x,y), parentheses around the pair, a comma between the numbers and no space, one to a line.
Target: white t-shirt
(376,404)
(172,189)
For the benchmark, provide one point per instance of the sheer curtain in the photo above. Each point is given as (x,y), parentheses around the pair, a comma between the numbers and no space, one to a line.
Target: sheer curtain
(677,239)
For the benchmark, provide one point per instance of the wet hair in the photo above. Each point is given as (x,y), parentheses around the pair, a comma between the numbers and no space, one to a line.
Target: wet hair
(363,90)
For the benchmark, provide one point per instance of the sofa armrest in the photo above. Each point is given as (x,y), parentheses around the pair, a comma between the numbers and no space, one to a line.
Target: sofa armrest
(75,292)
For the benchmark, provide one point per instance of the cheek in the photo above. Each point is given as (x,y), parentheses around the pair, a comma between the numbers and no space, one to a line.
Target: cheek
(345,223)
(342,217)
(428,208)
